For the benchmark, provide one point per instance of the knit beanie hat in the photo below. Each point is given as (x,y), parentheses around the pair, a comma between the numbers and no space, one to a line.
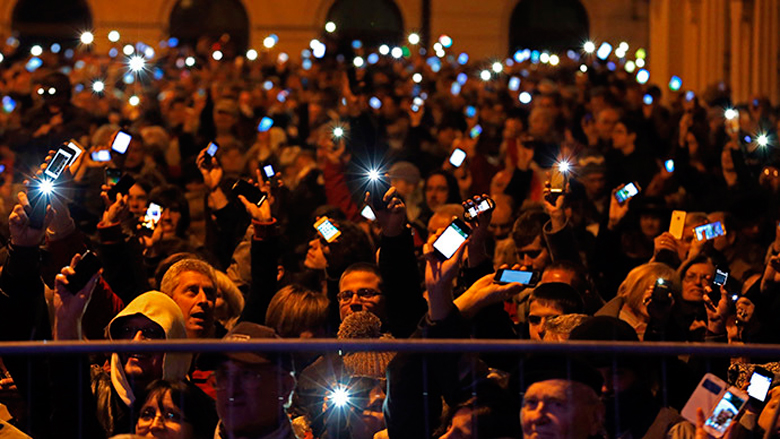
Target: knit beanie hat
(364,324)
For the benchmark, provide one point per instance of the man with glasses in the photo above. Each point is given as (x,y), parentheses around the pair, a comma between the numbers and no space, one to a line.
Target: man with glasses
(360,289)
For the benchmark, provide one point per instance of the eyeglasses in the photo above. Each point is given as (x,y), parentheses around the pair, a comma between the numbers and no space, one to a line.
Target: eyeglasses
(363,294)
(149,414)
(149,333)
(247,378)
(533,254)
(693,277)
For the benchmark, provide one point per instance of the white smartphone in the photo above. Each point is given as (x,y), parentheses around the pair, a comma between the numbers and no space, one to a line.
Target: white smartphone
(457,157)
(450,241)
(327,230)
(121,142)
(368,213)
(62,158)
(725,411)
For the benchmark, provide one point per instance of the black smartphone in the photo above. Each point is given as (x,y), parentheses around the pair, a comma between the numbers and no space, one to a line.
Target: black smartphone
(121,187)
(84,270)
(760,382)
(36,211)
(661,292)
(450,241)
(249,191)
(378,185)
(474,207)
(269,172)
(527,278)
(113,175)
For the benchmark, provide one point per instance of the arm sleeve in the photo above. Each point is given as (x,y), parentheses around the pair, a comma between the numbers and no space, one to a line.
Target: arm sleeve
(337,192)
(402,284)
(123,263)
(264,256)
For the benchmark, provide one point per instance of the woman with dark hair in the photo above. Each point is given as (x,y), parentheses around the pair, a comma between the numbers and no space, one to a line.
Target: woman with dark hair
(170,234)
(175,410)
(441,187)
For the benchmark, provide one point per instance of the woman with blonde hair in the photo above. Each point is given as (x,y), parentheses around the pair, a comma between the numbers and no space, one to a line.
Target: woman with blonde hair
(635,294)
(229,303)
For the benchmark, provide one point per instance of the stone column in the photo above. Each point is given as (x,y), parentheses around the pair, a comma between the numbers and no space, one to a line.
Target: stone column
(764,78)
(741,48)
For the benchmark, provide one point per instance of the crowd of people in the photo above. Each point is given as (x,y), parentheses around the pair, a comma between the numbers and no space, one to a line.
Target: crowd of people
(250,215)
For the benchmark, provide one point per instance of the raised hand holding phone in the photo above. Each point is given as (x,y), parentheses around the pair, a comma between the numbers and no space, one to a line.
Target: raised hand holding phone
(22,232)
(439,275)
(391,218)
(259,212)
(485,292)
(69,305)
(617,210)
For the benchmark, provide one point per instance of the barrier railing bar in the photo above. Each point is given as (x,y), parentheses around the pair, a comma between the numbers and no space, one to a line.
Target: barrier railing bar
(412,345)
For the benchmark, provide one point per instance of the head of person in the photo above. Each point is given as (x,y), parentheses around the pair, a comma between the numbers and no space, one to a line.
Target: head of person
(225,114)
(592,174)
(692,220)
(540,122)
(489,414)
(229,302)
(550,300)
(150,316)
(173,410)
(351,247)
(405,177)
(503,217)
(561,401)
(175,217)
(297,312)
(624,134)
(635,285)
(652,215)
(606,119)
(442,217)
(527,233)
(136,153)
(360,289)
(56,91)
(192,284)
(559,328)
(138,197)
(697,274)
(252,387)
(441,188)
(725,242)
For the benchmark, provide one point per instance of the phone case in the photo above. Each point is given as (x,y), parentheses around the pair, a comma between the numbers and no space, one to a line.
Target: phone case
(85,269)
(707,394)
(677,225)
(320,223)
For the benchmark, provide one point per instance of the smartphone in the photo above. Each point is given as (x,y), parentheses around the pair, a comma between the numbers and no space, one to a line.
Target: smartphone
(709,231)
(476,131)
(103,155)
(9,104)
(450,241)
(121,142)
(36,212)
(368,213)
(557,184)
(457,157)
(720,277)
(669,165)
(474,208)
(113,175)
(527,278)
(725,411)
(689,95)
(377,189)
(677,224)
(152,217)
(375,103)
(212,149)
(84,270)
(265,124)
(61,160)
(760,382)
(327,230)
(514,83)
(661,292)
(627,192)
(269,172)
(647,99)
(249,191)
(122,186)
(471,111)
(705,396)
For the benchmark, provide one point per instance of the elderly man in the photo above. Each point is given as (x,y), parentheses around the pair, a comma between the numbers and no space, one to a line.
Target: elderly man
(191,283)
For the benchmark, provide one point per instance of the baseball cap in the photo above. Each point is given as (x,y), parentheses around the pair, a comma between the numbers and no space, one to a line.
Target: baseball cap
(247,331)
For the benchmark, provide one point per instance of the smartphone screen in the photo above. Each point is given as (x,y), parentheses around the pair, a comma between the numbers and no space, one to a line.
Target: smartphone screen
(368,213)
(720,277)
(58,163)
(113,175)
(473,209)
(269,171)
(327,230)
(101,156)
(677,223)
(450,241)
(759,385)
(626,192)
(121,142)
(669,165)
(709,231)
(508,276)
(557,180)
(471,111)
(475,132)
(457,157)
(647,99)
(212,149)
(375,103)
(514,83)
(153,214)
(724,412)
(265,124)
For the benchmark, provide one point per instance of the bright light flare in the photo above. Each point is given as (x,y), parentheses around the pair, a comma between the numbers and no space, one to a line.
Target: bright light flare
(330,27)
(134,101)
(762,140)
(413,38)
(128,49)
(87,38)
(46,187)
(340,397)
(36,50)
(251,54)
(564,166)
(374,175)
(189,61)
(397,52)
(498,67)
(98,86)
(358,62)
(731,114)
(338,132)
(589,47)
(137,63)
(525,98)
(485,75)
(417,78)
(269,42)
(114,36)
(217,55)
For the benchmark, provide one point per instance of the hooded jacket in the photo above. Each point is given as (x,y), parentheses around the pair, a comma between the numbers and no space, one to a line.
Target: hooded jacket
(114,395)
